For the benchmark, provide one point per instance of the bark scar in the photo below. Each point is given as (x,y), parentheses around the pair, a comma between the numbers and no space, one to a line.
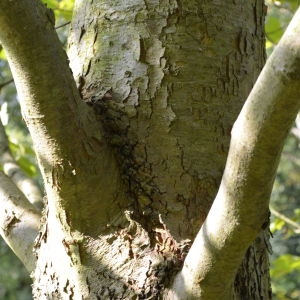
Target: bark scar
(9,222)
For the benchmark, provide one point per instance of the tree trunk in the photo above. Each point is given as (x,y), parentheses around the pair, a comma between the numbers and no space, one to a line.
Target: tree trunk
(166,81)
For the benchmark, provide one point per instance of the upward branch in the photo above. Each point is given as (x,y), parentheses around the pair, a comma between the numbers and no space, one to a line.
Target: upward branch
(240,210)
(19,221)
(14,171)
(64,130)
(49,98)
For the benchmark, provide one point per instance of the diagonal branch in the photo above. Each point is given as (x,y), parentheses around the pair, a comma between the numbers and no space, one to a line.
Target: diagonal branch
(287,220)
(13,170)
(19,221)
(65,132)
(48,95)
(240,210)
(2,85)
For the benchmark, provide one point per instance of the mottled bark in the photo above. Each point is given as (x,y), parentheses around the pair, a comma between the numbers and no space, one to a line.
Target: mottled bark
(167,80)
(131,174)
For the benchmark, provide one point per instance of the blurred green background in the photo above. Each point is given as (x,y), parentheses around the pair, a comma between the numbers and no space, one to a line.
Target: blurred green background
(285,203)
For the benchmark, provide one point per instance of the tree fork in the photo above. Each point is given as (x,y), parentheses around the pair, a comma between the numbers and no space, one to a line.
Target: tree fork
(102,248)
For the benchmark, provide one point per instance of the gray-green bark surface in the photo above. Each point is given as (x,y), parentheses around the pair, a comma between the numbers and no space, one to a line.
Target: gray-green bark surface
(131,175)
(168,79)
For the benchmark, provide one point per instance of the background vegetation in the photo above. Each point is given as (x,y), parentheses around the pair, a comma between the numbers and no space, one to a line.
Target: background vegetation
(285,202)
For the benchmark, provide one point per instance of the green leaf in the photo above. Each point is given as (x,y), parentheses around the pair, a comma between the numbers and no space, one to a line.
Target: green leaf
(27,166)
(2,55)
(62,9)
(51,3)
(284,265)
(297,212)
(293,4)
(66,4)
(274,29)
(277,224)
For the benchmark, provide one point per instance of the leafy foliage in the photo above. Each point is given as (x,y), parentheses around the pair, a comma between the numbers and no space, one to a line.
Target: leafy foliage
(284,271)
(62,9)
(285,261)
(285,268)
(14,279)
(279,15)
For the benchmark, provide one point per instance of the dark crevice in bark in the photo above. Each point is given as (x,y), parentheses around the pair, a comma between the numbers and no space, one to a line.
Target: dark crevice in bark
(252,281)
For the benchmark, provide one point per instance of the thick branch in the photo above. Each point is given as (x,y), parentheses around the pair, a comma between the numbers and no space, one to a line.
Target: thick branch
(49,98)
(240,209)
(19,221)
(13,170)
(71,152)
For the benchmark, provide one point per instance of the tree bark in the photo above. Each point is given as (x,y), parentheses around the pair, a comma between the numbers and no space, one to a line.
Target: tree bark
(167,80)
(163,82)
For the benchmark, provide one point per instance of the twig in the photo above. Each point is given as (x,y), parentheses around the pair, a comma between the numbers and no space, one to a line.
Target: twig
(62,25)
(285,219)
(2,85)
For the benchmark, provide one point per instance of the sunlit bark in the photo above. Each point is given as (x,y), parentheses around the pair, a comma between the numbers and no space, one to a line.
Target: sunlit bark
(131,174)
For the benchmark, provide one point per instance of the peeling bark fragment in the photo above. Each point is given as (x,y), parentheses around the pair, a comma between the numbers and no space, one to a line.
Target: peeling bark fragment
(9,223)
(139,268)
